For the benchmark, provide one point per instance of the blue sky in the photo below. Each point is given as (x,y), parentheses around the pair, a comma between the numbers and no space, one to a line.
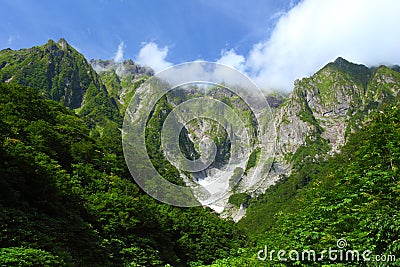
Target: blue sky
(191,29)
(273,41)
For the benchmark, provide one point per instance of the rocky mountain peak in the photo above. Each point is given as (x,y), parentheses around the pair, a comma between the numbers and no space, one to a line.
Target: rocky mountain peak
(60,73)
(324,108)
(358,73)
(121,78)
(63,44)
(53,46)
(122,69)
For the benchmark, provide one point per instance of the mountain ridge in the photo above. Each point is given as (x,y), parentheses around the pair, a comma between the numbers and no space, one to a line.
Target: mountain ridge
(324,109)
(121,78)
(321,111)
(67,197)
(60,73)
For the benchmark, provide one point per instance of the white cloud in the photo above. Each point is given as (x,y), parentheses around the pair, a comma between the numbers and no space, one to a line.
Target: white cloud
(153,56)
(315,32)
(308,36)
(200,72)
(230,58)
(119,55)
(10,39)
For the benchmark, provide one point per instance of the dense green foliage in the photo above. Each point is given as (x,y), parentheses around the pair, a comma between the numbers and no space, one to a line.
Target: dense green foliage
(65,199)
(28,257)
(253,158)
(238,199)
(153,142)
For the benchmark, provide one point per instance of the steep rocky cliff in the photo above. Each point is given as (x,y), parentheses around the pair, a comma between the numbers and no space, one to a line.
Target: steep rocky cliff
(321,111)
(121,78)
(330,104)
(314,121)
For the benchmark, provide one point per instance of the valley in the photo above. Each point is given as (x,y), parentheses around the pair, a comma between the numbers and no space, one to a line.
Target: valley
(68,198)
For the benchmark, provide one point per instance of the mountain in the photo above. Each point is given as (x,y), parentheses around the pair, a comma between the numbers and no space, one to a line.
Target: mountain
(335,174)
(320,114)
(62,74)
(313,123)
(121,78)
(68,199)
(326,107)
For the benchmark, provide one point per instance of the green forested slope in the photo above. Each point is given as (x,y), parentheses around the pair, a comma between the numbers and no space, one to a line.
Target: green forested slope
(65,200)
(61,73)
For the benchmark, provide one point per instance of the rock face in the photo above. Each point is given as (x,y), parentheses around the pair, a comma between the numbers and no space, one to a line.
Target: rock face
(121,78)
(321,111)
(325,108)
(122,69)
(329,105)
